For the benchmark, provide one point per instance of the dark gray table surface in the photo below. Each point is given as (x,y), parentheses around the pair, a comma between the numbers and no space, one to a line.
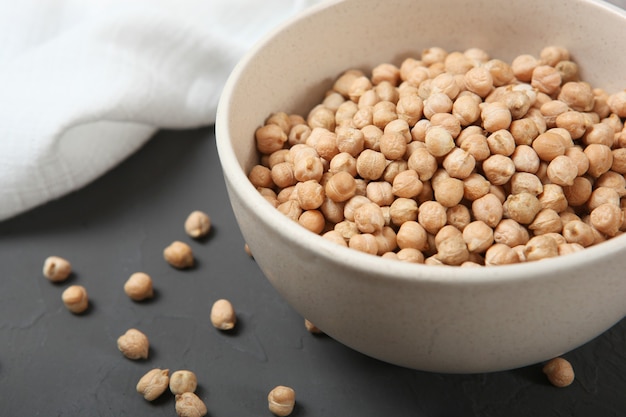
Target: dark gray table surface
(53,363)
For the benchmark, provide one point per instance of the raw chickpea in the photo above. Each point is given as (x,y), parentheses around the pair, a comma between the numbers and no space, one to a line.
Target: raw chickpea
(600,159)
(501,72)
(261,176)
(198,223)
(340,187)
(458,216)
(602,195)
(352,205)
(309,194)
(448,122)
(386,72)
(614,180)
(501,142)
(446,232)
(291,209)
(281,119)
(179,255)
(495,116)
(321,116)
(546,221)
(439,141)
(437,102)
(432,216)
(475,186)
(523,66)
(56,269)
(562,170)
(518,103)
(410,109)
(478,80)
(183,381)
(370,164)
(365,242)
(223,315)
(568,70)
(75,299)
(577,95)
(459,163)
(312,220)
(510,233)
(407,184)
(524,131)
(270,138)
(403,210)
(369,218)
(619,160)
(466,110)
(551,55)
(346,229)
(350,140)
(344,81)
(607,218)
(335,236)
(548,146)
(476,145)
(449,192)
(134,344)
(553,197)
(559,372)
(500,254)
(383,113)
(567,248)
(298,134)
(488,208)
(551,110)
(343,161)
(572,121)
(392,145)
(364,116)
(498,169)
(312,328)
(577,231)
(546,79)
(308,168)
(333,100)
(387,92)
(189,404)
(525,182)
(139,286)
(478,236)
(410,255)
(281,400)
(422,162)
(153,383)
(411,234)
(453,250)
(283,175)
(457,63)
(617,103)
(541,247)
(381,192)
(576,154)
(522,207)
(358,86)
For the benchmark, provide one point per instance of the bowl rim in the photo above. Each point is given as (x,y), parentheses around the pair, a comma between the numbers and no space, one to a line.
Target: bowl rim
(368,264)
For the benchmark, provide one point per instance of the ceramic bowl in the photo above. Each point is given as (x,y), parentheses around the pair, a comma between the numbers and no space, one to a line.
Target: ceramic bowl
(442,319)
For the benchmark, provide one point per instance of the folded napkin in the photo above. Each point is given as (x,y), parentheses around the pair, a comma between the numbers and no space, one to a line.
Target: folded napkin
(84,84)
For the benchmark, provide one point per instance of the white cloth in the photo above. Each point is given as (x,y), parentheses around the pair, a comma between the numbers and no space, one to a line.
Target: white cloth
(83,84)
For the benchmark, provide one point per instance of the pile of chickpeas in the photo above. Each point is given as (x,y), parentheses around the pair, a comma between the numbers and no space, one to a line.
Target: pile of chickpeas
(454,158)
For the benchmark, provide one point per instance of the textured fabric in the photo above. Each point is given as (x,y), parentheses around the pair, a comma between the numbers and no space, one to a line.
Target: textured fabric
(84,84)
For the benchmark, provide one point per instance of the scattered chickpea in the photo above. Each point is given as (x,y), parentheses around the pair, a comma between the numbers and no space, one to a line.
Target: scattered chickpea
(56,269)
(223,315)
(281,400)
(75,299)
(153,384)
(179,255)
(559,372)
(139,286)
(134,344)
(198,223)
(189,404)
(312,328)
(183,381)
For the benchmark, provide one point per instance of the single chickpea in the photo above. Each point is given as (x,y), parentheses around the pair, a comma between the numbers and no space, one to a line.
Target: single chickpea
(340,187)
(600,159)
(562,170)
(418,131)
(614,180)
(466,110)
(518,102)
(321,116)
(432,216)
(567,248)
(577,95)
(510,233)
(449,192)
(299,133)
(387,92)
(498,169)
(370,164)
(281,400)
(500,254)
(423,162)
(270,138)
(524,131)
(407,184)
(459,216)
(308,168)
(75,299)
(410,109)
(350,140)
(488,208)
(501,72)
(369,218)
(459,163)
(478,236)
(546,221)
(602,195)
(475,186)
(522,207)
(553,197)
(153,384)
(386,72)
(551,110)
(380,192)
(343,161)
(179,255)
(446,232)
(546,79)
(335,236)
(458,63)
(333,100)
(577,231)
(501,142)
(411,234)
(439,141)
(346,229)
(352,205)
(476,145)
(410,255)
(383,113)
(364,116)
(56,269)
(447,121)
(576,154)
(574,122)
(393,145)
(523,66)
(617,103)
(619,160)
(344,81)
(607,218)
(495,116)
(365,242)
(291,209)
(183,381)
(478,80)
(548,146)
(283,175)
(525,182)
(261,176)
(553,54)
(139,286)
(133,344)
(358,86)
(403,210)
(312,220)
(223,316)
(198,224)
(453,250)
(437,102)
(309,194)
(559,372)
(189,404)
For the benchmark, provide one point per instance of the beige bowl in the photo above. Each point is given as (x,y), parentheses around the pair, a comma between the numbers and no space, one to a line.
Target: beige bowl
(443,319)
